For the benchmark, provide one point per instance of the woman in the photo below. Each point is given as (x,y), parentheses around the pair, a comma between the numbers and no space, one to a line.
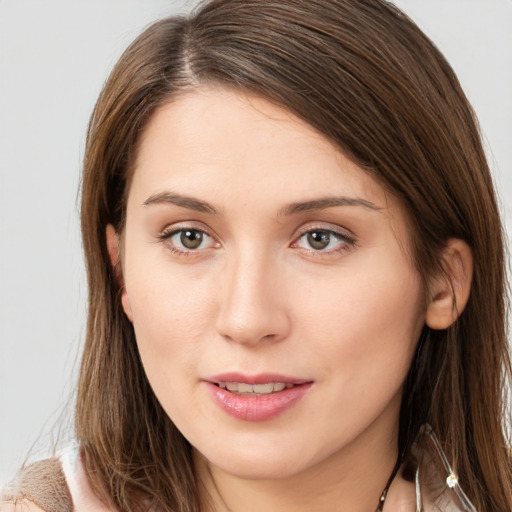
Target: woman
(296,274)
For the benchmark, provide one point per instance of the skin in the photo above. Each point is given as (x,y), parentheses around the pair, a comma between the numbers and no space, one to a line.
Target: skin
(256,297)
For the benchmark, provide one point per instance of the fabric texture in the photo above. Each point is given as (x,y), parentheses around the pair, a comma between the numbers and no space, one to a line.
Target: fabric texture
(43,483)
(58,484)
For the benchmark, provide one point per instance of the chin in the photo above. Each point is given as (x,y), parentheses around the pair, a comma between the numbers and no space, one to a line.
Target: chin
(274,461)
(259,469)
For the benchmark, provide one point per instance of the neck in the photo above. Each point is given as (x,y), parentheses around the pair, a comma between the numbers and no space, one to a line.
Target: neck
(352,479)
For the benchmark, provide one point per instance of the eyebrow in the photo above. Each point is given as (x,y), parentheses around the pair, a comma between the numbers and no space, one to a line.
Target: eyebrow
(179,200)
(198,205)
(327,202)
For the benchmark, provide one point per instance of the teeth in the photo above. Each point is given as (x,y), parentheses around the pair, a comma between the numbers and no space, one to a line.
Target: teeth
(263,389)
(242,388)
(245,388)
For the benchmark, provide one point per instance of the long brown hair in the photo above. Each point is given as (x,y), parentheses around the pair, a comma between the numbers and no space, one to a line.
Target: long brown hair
(366,77)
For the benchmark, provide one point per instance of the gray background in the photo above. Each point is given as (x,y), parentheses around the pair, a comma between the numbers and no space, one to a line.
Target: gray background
(54,58)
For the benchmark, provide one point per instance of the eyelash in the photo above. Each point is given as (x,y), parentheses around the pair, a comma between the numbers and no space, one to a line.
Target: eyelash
(346,242)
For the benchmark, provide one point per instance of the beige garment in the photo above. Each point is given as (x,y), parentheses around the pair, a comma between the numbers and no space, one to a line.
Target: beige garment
(44,484)
(56,485)
(61,484)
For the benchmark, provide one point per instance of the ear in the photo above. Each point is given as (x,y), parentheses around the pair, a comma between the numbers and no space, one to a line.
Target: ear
(113,252)
(449,292)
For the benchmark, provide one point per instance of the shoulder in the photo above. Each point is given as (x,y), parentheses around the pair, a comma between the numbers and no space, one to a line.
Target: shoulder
(39,487)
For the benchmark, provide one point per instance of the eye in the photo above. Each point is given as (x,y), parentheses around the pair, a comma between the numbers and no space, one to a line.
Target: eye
(318,240)
(191,238)
(324,240)
(187,240)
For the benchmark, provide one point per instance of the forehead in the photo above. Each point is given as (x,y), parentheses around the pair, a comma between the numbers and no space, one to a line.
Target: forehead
(215,140)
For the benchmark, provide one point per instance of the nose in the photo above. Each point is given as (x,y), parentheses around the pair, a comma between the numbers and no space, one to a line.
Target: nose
(253,306)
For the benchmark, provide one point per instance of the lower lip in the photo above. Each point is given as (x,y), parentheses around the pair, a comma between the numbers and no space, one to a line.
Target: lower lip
(257,407)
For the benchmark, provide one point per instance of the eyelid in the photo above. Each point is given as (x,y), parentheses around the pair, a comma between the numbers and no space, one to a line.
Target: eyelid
(328,227)
(184,225)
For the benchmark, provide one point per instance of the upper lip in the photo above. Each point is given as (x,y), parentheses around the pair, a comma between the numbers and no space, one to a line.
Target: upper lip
(260,378)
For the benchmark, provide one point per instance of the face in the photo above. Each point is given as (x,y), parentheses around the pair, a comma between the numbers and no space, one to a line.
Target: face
(274,301)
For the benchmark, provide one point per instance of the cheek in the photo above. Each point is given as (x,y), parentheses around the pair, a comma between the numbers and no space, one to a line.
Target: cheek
(172,315)
(362,331)
(366,324)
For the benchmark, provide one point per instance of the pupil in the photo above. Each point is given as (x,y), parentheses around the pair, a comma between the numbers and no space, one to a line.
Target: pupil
(319,239)
(191,239)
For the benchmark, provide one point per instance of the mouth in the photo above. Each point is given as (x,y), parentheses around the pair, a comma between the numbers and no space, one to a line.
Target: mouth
(243,388)
(256,398)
